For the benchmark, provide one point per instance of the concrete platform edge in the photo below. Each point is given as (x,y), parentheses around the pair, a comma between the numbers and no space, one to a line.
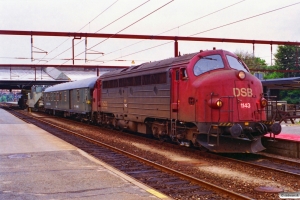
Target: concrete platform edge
(125,176)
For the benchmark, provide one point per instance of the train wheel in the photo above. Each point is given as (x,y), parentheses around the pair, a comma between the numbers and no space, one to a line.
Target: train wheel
(154,131)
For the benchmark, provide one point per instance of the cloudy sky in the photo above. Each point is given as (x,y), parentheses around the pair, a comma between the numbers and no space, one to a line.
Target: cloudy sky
(238,19)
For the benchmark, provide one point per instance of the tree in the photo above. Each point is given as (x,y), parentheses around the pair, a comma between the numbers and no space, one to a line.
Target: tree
(273,75)
(287,58)
(251,61)
(291,96)
(254,63)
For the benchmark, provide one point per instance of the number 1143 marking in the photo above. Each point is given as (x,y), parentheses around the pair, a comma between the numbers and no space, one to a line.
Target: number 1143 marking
(245,105)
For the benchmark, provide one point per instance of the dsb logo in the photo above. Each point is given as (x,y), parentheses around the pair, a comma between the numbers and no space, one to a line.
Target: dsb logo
(244,92)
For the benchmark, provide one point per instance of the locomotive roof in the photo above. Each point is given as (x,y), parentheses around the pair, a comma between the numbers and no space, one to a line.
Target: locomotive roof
(84,83)
(162,64)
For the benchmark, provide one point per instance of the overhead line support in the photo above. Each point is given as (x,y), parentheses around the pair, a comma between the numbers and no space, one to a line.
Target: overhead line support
(73,54)
(175,48)
(149,37)
(77,35)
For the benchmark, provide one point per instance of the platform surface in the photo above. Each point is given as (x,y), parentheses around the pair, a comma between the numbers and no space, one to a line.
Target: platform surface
(290,132)
(36,165)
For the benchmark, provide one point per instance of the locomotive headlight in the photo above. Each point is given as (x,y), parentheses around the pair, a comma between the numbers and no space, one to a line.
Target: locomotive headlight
(215,103)
(263,102)
(241,75)
(219,103)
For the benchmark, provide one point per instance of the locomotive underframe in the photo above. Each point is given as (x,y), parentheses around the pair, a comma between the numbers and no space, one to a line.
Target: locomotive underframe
(83,116)
(187,133)
(211,136)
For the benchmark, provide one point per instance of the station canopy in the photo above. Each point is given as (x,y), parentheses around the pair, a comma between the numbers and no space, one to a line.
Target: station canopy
(291,83)
(25,77)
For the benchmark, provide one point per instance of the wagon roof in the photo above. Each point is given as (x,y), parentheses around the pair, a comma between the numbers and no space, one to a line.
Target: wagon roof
(85,83)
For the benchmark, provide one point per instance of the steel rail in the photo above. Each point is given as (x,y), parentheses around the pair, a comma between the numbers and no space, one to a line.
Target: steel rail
(279,159)
(217,189)
(192,179)
(265,167)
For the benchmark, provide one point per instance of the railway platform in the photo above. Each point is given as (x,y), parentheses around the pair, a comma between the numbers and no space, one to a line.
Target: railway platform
(37,165)
(287,143)
(290,132)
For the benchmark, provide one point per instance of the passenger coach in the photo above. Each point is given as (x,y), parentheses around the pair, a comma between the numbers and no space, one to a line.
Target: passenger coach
(70,99)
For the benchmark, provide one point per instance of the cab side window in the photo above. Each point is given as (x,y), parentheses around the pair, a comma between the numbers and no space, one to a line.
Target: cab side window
(183,73)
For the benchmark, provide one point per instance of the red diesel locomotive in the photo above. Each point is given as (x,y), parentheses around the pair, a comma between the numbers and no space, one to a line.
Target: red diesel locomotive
(204,99)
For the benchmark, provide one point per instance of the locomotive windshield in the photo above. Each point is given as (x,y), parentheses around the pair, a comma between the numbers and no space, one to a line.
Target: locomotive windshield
(208,63)
(236,64)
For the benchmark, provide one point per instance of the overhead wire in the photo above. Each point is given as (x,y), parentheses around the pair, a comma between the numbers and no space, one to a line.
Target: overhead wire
(45,59)
(245,19)
(82,28)
(98,15)
(106,26)
(123,16)
(194,20)
(203,16)
(134,23)
(208,29)
(215,28)
(78,59)
(126,27)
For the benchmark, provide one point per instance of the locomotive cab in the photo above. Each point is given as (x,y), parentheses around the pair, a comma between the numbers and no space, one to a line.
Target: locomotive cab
(218,93)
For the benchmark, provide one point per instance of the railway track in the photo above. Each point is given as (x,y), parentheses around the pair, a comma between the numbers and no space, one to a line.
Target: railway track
(267,162)
(173,183)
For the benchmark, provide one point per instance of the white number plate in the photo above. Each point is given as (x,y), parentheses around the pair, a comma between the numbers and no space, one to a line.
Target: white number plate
(245,105)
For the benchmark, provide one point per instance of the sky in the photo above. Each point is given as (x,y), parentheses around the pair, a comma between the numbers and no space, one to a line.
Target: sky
(235,19)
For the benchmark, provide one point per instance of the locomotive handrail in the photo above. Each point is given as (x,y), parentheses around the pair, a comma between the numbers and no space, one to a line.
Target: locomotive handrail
(230,106)
(284,116)
(270,108)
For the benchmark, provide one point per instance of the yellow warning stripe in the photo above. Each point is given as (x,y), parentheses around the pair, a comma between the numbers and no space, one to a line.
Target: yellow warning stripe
(230,124)
(158,194)
(225,124)
(267,122)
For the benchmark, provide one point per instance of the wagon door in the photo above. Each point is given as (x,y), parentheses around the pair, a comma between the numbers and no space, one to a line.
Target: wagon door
(96,103)
(125,101)
(70,99)
(182,99)
(86,100)
(174,93)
